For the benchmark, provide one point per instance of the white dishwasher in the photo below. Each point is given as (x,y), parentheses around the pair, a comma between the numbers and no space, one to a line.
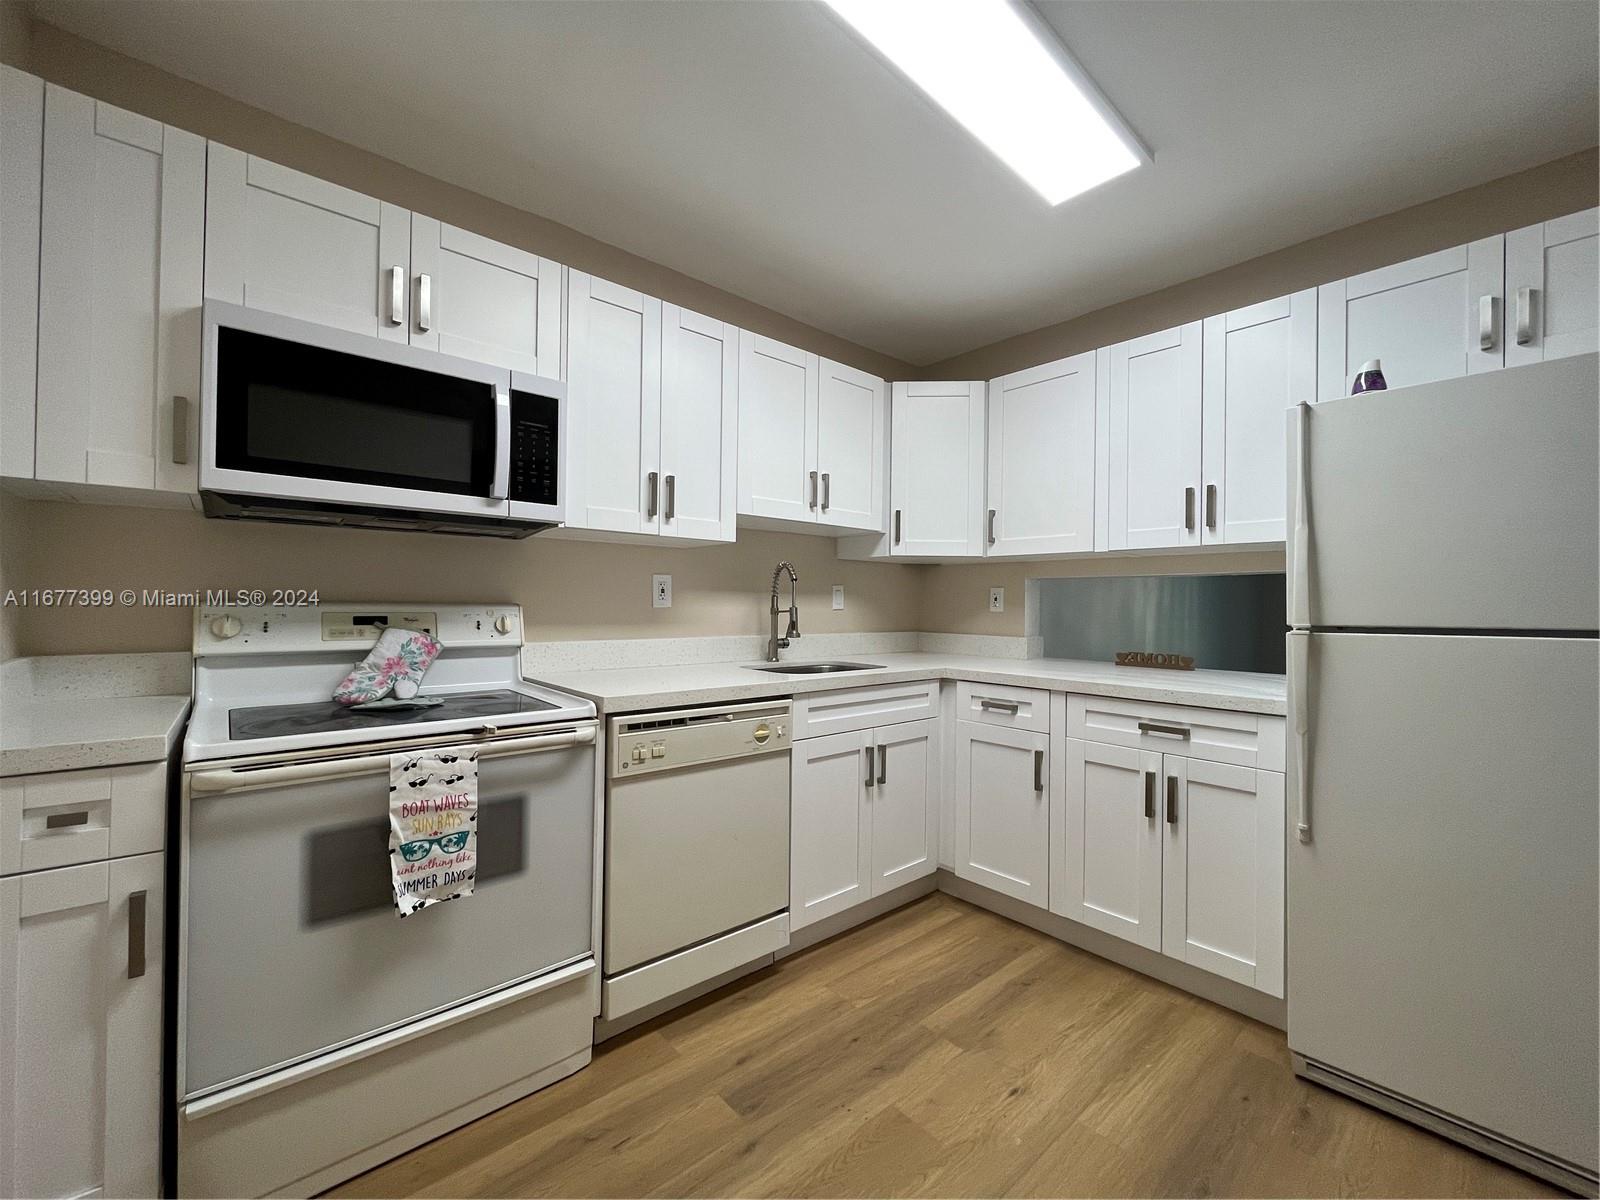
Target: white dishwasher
(697,848)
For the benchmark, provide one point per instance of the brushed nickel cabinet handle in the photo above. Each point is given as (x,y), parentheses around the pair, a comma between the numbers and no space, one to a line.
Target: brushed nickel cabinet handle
(827,491)
(397,295)
(137,903)
(1000,706)
(653,483)
(1525,301)
(883,764)
(867,750)
(1211,506)
(813,491)
(1188,509)
(1172,799)
(897,527)
(672,497)
(1177,731)
(1038,770)
(66,820)
(991,527)
(1486,322)
(180,430)
(424,303)
(1149,795)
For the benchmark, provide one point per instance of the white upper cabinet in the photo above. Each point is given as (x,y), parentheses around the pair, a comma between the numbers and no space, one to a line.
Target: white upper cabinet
(936,474)
(1552,305)
(1107,832)
(812,437)
(480,299)
(120,258)
(21,147)
(903,803)
(1154,440)
(1435,317)
(1041,483)
(1002,813)
(1223,871)
(852,431)
(613,406)
(290,243)
(699,426)
(1259,361)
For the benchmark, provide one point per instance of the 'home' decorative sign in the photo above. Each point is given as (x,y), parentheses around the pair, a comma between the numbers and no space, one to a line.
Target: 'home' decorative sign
(1147,658)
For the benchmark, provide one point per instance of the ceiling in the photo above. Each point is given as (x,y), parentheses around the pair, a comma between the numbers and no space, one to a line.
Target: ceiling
(762,148)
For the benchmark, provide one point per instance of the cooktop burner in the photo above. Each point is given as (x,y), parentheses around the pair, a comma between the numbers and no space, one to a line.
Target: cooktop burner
(281,720)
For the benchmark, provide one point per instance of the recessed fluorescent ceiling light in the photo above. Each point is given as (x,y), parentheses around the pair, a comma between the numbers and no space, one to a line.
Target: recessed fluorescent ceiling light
(985,63)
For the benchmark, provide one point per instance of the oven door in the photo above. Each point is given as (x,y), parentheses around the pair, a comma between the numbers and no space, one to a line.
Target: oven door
(299,411)
(291,944)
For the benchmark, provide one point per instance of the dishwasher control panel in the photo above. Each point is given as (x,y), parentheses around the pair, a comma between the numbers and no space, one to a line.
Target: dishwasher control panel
(646,743)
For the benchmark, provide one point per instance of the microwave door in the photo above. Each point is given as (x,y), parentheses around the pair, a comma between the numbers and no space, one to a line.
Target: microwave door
(304,413)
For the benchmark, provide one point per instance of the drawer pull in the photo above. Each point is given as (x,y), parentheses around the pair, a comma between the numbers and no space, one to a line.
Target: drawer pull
(1001,706)
(136,921)
(1149,795)
(1172,799)
(1177,731)
(65,820)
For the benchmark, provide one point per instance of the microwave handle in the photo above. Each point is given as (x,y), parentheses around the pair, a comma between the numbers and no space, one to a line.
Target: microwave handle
(501,487)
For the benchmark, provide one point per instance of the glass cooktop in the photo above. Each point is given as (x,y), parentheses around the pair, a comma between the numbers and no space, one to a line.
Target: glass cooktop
(282,720)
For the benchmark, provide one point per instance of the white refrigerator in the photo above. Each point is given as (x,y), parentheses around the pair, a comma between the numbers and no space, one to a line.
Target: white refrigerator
(1444,701)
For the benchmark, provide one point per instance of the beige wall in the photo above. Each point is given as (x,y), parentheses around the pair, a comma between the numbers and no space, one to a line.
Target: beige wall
(568,589)
(1564,186)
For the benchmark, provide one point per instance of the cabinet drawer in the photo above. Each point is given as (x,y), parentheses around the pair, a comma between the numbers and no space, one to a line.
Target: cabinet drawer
(69,817)
(822,713)
(1215,735)
(999,704)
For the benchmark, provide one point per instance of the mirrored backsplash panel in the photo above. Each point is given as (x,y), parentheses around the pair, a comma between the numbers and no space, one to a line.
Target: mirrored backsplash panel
(1223,622)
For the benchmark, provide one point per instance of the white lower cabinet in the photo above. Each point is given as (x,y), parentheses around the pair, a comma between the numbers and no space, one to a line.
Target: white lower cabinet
(1179,855)
(80,1029)
(863,816)
(1002,809)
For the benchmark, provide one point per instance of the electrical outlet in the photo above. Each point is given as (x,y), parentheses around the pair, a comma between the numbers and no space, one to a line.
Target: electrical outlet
(661,591)
(838,597)
(997,599)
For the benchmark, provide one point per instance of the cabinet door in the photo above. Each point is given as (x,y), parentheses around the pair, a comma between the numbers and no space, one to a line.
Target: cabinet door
(1259,361)
(614,406)
(830,866)
(293,244)
(936,472)
(1110,851)
(699,425)
(122,236)
(80,1030)
(852,430)
(481,299)
(1154,440)
(1002,810)
(21,146)
(1550,289)
(1434,317)
(777,430)
(903,803)
(1223,870)
(1042,459)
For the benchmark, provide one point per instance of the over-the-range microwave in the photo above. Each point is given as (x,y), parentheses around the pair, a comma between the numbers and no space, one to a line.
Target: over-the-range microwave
(304,423)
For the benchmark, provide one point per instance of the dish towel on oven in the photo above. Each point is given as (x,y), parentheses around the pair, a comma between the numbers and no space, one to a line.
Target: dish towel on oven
(396,664)
(433,826)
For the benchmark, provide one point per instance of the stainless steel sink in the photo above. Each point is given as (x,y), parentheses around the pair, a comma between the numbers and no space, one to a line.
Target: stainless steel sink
(818,668)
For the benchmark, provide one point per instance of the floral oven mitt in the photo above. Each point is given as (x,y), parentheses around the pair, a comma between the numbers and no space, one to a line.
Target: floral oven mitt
(396,664)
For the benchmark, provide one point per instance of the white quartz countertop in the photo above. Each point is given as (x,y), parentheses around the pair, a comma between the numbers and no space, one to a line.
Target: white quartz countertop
(633,689)
(76,711)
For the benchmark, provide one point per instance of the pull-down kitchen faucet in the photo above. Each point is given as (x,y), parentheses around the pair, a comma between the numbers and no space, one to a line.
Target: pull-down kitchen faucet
(776,643)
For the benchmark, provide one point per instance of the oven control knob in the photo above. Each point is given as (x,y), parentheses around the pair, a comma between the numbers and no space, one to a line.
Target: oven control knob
(225,627)
(504,623)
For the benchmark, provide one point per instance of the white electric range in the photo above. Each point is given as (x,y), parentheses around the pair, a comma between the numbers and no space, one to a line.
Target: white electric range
(318,1034)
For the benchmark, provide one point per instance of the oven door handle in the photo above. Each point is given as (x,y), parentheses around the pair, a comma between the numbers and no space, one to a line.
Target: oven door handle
(241,778)
(501,487)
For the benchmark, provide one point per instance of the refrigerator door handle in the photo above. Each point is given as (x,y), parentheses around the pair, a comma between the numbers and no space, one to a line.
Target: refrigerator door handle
(1300,579)
(1300,705)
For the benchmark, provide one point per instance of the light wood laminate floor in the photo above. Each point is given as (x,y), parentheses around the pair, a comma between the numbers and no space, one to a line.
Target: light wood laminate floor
(942,1050)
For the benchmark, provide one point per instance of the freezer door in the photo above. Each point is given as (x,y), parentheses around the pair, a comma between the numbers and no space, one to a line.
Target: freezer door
(1443,915)
(1468,504)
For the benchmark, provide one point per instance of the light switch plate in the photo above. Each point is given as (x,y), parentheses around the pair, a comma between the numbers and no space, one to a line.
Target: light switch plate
(997,600)
(838,597)
(661,591)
